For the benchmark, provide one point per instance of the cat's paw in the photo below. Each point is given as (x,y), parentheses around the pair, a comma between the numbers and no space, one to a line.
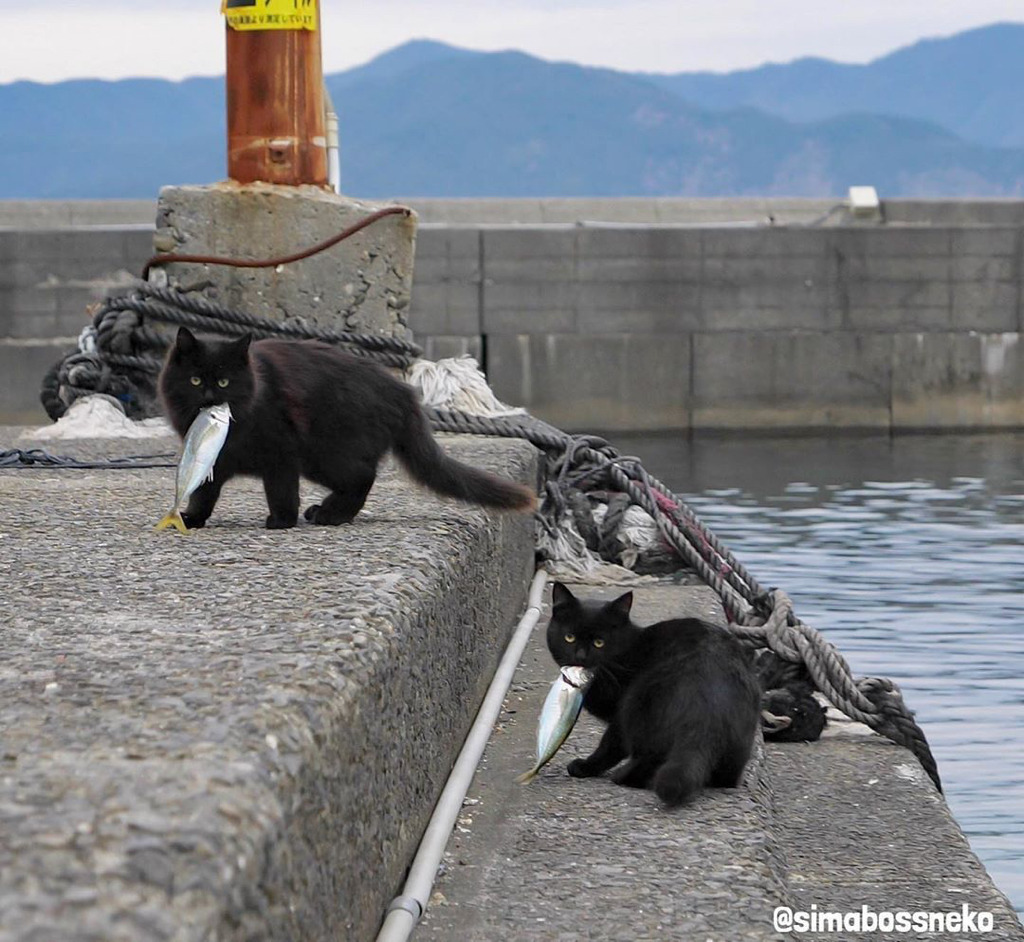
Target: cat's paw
(280,523)
(311,512)
(630,777)
(193,523)
(323,517)
(579,768)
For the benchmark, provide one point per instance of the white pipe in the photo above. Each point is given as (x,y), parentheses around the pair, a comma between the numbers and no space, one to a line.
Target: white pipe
(333,153)
(333,148)
(405,910)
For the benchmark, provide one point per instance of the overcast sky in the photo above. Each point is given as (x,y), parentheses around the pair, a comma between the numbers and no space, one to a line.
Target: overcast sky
(49,40)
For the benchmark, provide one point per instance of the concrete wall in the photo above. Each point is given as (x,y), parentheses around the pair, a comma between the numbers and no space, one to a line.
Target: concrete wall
(647,327)
(49,214)
(48,279)
(700,316)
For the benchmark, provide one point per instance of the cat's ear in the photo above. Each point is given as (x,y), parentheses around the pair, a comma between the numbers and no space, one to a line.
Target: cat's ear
(622,605)
(560,595)
(185,344)
(241,346)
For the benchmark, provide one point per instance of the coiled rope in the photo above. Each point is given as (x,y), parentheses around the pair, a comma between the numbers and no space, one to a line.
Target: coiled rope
(116,353)
(759,618)
(115,356)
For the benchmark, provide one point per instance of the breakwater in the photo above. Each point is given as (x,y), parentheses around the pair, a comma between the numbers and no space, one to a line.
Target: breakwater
(634,314)
(239,734)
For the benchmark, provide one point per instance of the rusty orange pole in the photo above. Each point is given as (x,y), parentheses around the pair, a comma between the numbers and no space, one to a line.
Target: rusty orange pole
(275,100)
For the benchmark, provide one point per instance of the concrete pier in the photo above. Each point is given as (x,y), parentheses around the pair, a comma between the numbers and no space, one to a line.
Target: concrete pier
(850,821)
(238,734)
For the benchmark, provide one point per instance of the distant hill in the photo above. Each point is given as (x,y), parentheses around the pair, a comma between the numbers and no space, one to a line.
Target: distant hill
(98,139)
(426,119)
(394,62)
(506,124)
(970,84)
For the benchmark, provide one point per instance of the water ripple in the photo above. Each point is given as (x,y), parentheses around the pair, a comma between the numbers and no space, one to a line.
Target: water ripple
(906,554)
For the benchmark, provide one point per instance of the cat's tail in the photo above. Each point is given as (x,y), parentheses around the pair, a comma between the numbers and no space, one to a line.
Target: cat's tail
(682,777)
(424,459)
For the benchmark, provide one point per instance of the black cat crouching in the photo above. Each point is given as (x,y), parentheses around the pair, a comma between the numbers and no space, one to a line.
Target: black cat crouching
(304,408)
(681,698)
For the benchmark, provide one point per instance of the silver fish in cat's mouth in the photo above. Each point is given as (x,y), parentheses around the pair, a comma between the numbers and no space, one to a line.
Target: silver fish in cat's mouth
(559,714)
(203,442)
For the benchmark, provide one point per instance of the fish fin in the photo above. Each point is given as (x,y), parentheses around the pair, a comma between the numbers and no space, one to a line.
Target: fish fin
(527,776)
(173,519)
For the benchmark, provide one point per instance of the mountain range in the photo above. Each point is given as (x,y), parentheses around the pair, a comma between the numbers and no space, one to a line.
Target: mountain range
(939,118)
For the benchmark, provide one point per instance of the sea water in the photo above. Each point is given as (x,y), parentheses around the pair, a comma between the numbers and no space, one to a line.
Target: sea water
(908,554)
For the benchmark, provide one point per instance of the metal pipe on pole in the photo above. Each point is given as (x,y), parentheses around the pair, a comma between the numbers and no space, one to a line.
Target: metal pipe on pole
(275,97)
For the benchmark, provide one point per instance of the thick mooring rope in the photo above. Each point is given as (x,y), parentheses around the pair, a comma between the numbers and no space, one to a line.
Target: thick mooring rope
(760,619)
(115,357)
(116,353)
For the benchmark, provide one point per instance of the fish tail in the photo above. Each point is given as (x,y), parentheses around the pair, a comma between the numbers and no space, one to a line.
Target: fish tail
(527,776)
(173,519)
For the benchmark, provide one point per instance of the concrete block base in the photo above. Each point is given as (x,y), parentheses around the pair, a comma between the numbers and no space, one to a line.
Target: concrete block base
(239,734)
(787,379)
(953,380)
(363,283)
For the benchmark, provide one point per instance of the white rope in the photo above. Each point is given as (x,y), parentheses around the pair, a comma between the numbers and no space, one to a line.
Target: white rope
(456,383)
(569,559)
(638,533)
(98,416)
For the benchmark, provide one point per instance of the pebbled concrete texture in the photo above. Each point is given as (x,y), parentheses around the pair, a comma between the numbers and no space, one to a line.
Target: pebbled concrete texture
(362,283)
(239,734)
(583,860)
(846,822)
(891,843)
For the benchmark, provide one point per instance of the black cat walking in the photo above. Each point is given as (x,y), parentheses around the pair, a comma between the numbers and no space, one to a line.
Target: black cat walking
(681,698)
(304,408)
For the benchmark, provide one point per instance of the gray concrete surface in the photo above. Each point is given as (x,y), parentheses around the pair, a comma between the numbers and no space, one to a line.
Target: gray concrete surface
(890,842)
(56,214)
(363,283)
(237,734)
(582,859)
(23,364)
(633,327)
(848,821)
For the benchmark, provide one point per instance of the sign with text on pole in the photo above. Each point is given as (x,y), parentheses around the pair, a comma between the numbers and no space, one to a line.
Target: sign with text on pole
(270,14)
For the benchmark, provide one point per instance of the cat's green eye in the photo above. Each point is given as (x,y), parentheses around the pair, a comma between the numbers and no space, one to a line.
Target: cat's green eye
(196,381)
(222,383)
(570,638)
(598,642)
